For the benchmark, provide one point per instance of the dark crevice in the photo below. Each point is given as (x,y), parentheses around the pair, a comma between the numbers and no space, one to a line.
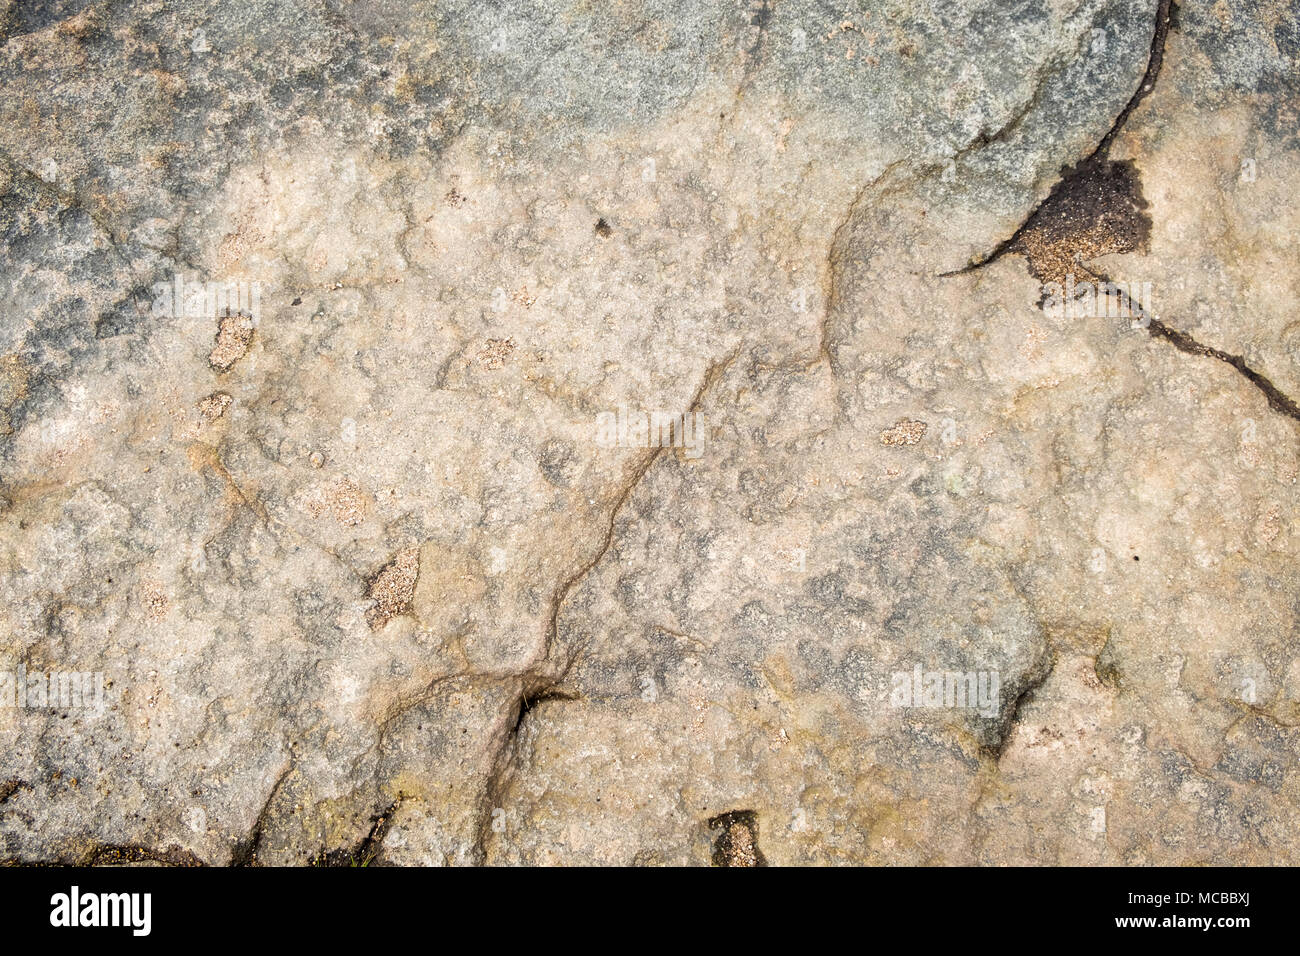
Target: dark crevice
(530,702)
(114,854)
(995,746)
(245,853)
(495,785)
(365,852)
(737,840)
(1096,166)
(1278,400)
(1164,15)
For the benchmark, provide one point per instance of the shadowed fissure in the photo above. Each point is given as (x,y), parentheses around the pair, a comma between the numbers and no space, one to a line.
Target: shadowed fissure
(1097,208)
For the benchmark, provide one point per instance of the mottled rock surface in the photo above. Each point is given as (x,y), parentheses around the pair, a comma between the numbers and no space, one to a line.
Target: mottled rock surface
(628,400)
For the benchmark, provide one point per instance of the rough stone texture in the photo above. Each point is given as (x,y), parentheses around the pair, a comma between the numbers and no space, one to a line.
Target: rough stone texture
(364,582)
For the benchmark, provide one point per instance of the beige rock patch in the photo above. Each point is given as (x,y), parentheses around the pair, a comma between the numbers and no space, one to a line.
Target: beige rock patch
(214,406)
(393,587)
(494,353)
(234,336)
(904,432)
(155,600)
(342,499)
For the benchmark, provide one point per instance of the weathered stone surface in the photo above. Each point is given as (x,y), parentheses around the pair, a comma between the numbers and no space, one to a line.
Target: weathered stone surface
(373,570)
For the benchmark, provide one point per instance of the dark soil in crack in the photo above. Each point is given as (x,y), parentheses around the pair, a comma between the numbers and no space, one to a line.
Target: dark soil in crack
(1097,206)
(368,849)
(1097,209)
(737,840)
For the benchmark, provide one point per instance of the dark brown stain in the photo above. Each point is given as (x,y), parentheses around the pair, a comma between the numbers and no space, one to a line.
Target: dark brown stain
(1096,209)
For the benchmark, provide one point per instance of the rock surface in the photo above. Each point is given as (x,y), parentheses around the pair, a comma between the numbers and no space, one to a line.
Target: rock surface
(618,399)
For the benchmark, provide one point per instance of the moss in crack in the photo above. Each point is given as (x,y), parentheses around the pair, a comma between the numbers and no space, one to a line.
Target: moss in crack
(367,851)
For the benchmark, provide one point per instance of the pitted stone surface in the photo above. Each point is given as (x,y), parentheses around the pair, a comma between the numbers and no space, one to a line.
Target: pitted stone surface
(615,421)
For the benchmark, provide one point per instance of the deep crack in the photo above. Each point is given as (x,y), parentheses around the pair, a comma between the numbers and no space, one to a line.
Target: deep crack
(1278,400)
(245,854)
(1063,202)
(1097,208)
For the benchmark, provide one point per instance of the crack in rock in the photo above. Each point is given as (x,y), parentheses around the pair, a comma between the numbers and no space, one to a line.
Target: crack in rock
(367,851)
(1078,203)
(1097,208)
(737,840)
(1278,400)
